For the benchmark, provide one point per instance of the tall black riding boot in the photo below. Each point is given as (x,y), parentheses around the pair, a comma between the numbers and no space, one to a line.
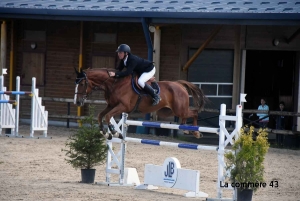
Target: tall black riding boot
(154,96)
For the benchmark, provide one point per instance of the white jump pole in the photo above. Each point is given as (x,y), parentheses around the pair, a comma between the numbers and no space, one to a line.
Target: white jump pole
(1,97)
(17,108)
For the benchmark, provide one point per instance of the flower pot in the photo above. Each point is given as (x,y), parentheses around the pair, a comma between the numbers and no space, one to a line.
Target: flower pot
(244,194)
(88,175)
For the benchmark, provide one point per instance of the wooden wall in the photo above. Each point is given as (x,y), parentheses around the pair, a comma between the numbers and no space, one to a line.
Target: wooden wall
(261,37)
(170,53)
(61,49)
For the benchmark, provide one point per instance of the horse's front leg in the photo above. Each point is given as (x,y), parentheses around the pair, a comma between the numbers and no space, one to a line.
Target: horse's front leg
(116,110)
(183,122)
(194,115)
(100,117)
(197,134)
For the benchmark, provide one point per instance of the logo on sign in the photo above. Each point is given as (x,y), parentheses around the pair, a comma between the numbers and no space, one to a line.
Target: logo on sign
(170,169)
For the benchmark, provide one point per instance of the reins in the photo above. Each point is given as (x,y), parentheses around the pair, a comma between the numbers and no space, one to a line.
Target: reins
(96,87)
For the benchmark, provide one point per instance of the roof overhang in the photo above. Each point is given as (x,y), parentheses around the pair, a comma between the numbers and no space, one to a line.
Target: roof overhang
(156,11)
(155,17)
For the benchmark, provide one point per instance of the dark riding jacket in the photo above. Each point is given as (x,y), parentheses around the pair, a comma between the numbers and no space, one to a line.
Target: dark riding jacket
(134,64)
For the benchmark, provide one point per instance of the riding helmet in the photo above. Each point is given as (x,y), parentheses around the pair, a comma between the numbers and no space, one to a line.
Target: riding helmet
(123,48)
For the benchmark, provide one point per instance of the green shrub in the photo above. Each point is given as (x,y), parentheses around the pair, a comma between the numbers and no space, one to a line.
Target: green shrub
(246,166)
(87,147)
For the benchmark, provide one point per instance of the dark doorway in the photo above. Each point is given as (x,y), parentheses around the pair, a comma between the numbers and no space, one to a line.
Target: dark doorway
(270,74)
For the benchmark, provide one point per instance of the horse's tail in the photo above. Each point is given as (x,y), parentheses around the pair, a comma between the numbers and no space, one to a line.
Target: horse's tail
(199,98)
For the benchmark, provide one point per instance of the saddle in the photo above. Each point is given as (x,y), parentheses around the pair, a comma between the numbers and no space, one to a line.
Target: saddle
(138,89)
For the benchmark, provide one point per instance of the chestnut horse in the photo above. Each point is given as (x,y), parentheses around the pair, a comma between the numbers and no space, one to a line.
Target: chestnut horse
(120,97)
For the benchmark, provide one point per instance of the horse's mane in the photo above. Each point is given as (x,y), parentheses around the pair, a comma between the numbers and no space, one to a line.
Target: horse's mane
(99,69)
(91,70)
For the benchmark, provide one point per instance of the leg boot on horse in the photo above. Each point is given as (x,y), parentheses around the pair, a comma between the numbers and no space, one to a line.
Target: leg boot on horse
(151,91)
(114,132)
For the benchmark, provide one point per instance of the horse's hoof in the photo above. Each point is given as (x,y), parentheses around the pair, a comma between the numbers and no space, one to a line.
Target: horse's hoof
(198,135)
(109,136)
(121,136)
(104,135)
(116,134)
(186,132)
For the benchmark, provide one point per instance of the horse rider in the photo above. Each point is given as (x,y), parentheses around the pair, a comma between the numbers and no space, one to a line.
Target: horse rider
(142,67)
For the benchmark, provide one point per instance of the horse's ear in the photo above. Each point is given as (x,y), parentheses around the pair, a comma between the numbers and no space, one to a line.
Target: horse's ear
(76,71)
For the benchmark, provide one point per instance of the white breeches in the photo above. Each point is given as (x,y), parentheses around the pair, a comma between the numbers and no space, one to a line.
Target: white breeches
(145,77)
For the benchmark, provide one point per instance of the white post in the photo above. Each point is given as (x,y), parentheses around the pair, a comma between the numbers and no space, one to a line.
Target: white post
(1,105)
(239,124)
(17,109)
(108,161)
(46,123)
(239,121)
(33,108)
(221,152)
(123,147)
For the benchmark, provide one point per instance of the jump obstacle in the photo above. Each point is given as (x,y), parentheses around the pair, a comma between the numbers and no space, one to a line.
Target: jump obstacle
(153,176)
(9,117)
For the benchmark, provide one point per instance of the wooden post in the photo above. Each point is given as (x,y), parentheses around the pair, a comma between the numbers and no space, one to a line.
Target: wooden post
(12,58)
(156,52)
(3,47)
(236,67)
(156,58)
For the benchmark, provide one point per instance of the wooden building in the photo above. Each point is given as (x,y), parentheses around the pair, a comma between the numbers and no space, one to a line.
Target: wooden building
(247,47)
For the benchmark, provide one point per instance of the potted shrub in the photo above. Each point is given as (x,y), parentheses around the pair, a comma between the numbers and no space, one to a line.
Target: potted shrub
(246,164)
(86,148)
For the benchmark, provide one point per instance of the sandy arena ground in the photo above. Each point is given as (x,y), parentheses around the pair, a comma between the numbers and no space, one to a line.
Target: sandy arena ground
(34,169)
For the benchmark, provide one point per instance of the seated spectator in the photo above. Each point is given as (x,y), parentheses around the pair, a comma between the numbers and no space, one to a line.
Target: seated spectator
(263,118)
(280,124)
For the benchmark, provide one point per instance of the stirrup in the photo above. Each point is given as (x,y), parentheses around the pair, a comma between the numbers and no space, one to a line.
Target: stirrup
(155,101)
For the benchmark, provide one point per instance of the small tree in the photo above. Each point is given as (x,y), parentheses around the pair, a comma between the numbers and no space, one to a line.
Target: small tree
(246,166)
(87,147)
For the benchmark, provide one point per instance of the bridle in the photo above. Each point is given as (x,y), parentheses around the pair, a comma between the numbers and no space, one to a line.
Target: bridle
(77,82)
(86,83)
